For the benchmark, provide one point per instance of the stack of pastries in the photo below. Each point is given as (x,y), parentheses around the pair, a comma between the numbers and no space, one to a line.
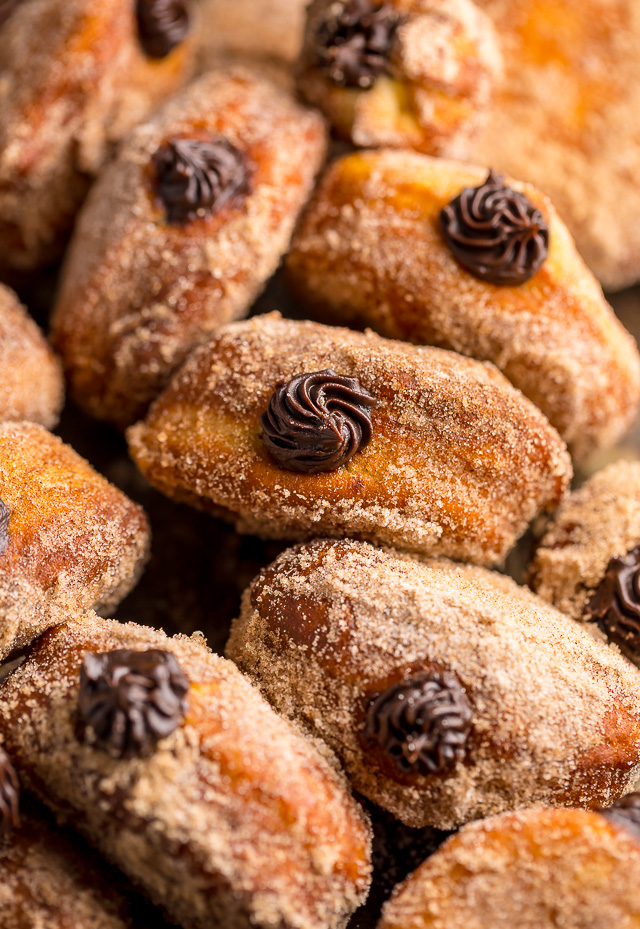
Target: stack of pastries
(282,283)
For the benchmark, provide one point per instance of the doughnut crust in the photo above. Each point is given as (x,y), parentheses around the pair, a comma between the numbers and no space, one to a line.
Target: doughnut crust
(443,63)
(31,385)
(137,291)
(370,252)
(235,818)
(555,720)
(535,869)
(71,537)
(458,463)
(73,79)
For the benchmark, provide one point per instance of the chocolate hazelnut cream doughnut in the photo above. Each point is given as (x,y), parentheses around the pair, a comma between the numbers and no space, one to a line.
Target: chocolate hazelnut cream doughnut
(180,234)
(75,76)
(404,73)
(177,770)
(31,385)
(588,560)
(534,869)
(292,430)
(67,536)
(437,252)
(448,692)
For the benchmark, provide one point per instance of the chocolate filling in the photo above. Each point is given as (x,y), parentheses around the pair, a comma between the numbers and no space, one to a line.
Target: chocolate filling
(162,24)
(354,44)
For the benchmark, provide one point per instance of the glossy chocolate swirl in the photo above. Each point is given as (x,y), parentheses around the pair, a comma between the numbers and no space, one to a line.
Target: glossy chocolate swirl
(5,516)
(9,796)
(317,422)
(6,9)
(421,724)
(162,24)
(626,813)
(354,44)
(615,606)
(196,178)
(496,233)
(131,700)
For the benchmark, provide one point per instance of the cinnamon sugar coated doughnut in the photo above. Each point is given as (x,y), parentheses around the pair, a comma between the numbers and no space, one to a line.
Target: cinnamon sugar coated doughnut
(66,534)
(31,385)
(448,692)
(75,76)
(233,817)
(404,73)
(535,869)
(372,251)
(180,234)
(454,460)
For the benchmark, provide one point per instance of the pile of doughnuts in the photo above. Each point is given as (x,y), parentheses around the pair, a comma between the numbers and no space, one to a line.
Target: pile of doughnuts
(294,273)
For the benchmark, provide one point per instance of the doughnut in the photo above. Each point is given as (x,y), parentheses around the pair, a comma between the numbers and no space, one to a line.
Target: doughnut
(68,537)
(230,28)
(31,385)
(395,241)
(564,119)
(448,692)
(534,869)
(292,430)
(404,73)
(74,77)
(587,562)
(171,763)
(180,234)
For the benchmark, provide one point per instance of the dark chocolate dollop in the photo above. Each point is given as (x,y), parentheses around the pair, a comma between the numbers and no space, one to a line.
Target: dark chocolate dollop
(421,724)
(495,232)
(354,44)
(196,178)
(9,796)
(162,24)
(131,699)
(615,606)
(5,516)
(6,9)
(317,422)
(626,813)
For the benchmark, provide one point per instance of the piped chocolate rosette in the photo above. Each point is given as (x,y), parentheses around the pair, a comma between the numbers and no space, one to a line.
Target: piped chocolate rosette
(162,25)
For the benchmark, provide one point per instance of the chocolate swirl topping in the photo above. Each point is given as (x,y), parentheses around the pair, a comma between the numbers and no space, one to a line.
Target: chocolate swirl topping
(6,9)
(131,700)
(5,516)
(196,178)
(354,44)
(317,422)
(626,813)
(615,606)
(421,724)
(9,796)
(496,233)
(162,24)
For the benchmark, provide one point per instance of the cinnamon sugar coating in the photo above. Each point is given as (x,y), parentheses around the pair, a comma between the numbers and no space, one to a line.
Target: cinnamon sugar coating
(73,540)
(31,385)
(596,523)
(370,252)
(236,818)
(555,713)
(138,293)
(535,869)
(443,66)
(73,80)
(458,463)
(565,120)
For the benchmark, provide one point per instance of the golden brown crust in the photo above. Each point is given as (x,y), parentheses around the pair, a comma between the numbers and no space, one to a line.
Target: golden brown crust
(445,63)
(565,120)
(73,80)
(534,869)
(459,461)
(137,293)
(556,714)
(370,252)
(31,385)
(74,538)
(598,522)
(235,817)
